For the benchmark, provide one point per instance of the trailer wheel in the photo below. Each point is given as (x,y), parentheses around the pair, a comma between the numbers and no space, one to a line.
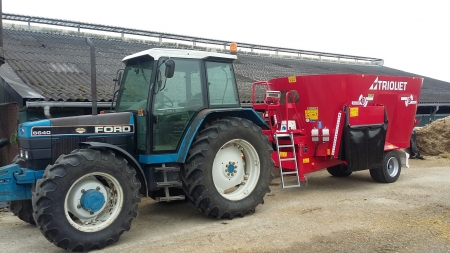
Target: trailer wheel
(23,209)
(390,171)
(228,169)
(340,170)
(86,200)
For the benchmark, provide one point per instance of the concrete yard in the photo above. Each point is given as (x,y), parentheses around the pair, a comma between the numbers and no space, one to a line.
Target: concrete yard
(352,214)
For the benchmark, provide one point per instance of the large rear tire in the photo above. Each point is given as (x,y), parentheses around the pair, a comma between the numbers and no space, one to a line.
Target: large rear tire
(390,171)
(340,170)
(228,169)
(86,200)
(23,209)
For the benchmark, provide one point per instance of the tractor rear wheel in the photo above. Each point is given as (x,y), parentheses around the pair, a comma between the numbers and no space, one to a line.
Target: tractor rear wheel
(23,209)
(340,170)
(228,169)
(390,171)
(86,200)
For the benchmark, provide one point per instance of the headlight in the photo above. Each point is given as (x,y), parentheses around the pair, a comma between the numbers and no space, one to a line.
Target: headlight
(22,153)
(26,154)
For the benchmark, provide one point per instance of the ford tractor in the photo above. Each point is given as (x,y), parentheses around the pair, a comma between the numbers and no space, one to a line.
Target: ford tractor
(177,132)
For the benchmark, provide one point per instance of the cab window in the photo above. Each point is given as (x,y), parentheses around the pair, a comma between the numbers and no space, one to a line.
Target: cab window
(221,84)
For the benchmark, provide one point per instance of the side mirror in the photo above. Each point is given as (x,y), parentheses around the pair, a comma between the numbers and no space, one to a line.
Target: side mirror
(170,68)
(119,79)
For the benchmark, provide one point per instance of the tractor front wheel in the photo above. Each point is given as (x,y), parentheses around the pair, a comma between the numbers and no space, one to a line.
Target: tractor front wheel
(86,200)
(229,168)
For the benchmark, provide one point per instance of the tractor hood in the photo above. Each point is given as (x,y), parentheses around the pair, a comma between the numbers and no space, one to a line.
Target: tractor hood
(112,123)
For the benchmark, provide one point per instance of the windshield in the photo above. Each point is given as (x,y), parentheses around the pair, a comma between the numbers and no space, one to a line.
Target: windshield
(133,92)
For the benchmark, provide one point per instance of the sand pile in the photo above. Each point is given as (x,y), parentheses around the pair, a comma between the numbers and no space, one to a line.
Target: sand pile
(434,139)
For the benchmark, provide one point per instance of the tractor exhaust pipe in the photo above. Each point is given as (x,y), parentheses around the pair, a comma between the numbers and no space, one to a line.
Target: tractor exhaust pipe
(93,77)
(2,56)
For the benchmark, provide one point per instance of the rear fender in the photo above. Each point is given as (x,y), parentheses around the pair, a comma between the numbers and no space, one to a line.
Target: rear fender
(130,159)
(403,155)
(209,115)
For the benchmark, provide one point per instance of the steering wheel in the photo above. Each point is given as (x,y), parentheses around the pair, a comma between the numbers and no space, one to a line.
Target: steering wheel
(166,101)
(163,102)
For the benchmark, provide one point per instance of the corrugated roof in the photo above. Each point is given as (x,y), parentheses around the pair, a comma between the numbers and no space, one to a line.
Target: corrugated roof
(56,65)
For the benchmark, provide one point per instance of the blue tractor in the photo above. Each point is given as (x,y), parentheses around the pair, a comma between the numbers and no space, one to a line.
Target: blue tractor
(178,131)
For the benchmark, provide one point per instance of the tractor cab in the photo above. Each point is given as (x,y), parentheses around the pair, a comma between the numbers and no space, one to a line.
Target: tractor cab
(166,88)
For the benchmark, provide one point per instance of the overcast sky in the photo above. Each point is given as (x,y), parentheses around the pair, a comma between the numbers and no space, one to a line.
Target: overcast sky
(413,35)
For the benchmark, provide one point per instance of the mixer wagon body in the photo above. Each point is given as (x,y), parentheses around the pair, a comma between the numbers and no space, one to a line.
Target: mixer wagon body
(345,122)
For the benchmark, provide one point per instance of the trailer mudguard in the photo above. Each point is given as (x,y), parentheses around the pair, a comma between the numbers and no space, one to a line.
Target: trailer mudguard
(130,159)
(364,136)
(202,117)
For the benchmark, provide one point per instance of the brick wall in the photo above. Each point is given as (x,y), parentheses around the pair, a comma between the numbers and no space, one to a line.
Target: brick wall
(9,114)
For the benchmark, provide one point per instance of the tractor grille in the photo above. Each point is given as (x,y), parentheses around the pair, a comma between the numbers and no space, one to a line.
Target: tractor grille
(65,145)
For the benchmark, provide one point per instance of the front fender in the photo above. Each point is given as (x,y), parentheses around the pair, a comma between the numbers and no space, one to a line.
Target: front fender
(127,156)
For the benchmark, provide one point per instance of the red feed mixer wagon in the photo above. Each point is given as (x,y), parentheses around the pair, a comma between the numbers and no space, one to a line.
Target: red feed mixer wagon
(342,122)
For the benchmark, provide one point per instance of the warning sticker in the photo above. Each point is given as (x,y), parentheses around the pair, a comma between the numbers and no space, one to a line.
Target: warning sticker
(353,111)
(312,114)
(305,160)
(292,79)
(283,154)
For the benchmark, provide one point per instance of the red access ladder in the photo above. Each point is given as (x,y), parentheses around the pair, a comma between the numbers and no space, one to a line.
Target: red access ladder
(283,138)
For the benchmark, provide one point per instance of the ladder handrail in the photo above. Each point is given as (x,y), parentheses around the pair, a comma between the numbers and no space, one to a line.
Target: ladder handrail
(301,125)
(265,83)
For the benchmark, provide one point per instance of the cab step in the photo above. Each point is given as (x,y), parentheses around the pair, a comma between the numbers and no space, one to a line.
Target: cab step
(170,198)
(167,184)
(167,169)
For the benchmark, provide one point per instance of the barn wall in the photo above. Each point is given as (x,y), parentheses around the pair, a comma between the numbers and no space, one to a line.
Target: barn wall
(8,129)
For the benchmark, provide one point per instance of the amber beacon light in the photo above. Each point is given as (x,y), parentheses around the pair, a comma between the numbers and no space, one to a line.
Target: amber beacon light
(233,48)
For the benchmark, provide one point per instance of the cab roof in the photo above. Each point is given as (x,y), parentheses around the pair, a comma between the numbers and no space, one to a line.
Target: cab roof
(157,53)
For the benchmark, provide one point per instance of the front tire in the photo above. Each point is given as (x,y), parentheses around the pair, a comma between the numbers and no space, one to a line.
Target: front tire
(86,200)
(390,171)
(229,168)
